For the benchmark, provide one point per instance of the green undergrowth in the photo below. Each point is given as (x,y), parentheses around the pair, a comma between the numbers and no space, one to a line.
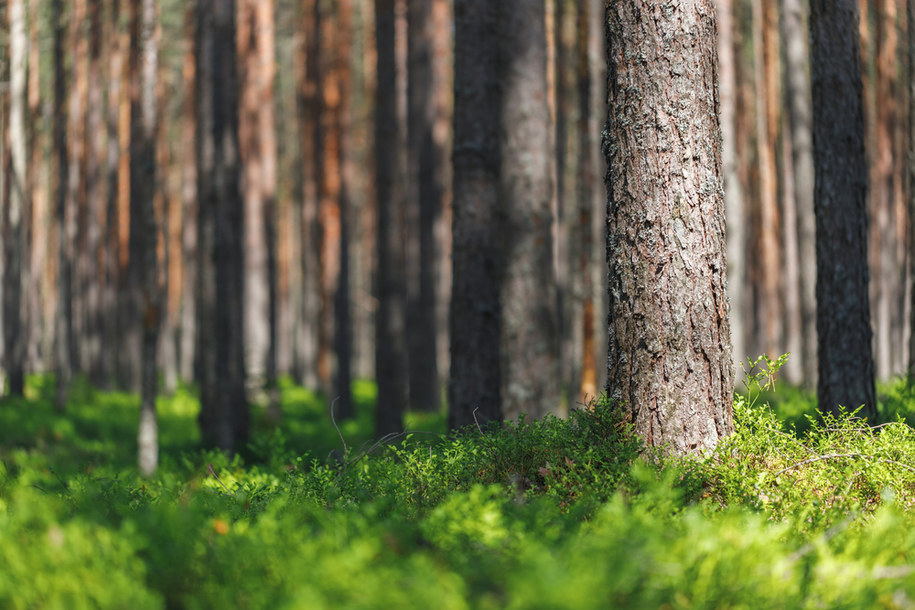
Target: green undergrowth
(538,514)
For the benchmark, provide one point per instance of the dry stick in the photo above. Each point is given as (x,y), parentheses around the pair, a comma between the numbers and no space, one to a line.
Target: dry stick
(334,422)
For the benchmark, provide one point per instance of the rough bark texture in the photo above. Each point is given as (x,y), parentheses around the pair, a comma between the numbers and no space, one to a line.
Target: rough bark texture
(800,116)
(846,364)
(530,342)
(224,408)
(13,221)
(425,159)
(476,318)
(390,348)
(670,360)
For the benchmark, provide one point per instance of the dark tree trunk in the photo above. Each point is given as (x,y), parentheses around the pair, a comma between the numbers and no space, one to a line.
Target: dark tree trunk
(224,416)
(846,363)
(13,221)
(474,391)
(425,165)
(390,349)
(670,361)
(143,235)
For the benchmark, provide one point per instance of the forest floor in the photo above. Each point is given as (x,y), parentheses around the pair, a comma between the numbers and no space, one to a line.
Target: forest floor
(791,511)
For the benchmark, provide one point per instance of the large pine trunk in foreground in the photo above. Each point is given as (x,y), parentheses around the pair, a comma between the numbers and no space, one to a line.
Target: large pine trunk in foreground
(670,361)
(845,353)
(223,404)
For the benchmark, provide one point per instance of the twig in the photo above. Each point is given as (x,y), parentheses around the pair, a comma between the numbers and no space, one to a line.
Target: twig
(334,422)
(212,473)
(830,456)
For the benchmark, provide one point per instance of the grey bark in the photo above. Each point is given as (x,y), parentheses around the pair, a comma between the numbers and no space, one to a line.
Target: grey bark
(15,273)
(224,417)
(144,61)
(530,341)
(800,115)
(845,353)
(390,345)
(910,77)
(670,364)
(425,159)
(474,391)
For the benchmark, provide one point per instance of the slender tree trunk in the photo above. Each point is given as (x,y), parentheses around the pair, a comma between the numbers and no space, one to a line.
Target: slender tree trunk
(64,332)
(910,77)
(733,193)
(309,111)
(15,270)
(390,348)
(190,209)
(40,265)
(585,187)
(425,164)
(670,364)
(474,391)
(846,365)
(800,116)
(224,419)
(144,230)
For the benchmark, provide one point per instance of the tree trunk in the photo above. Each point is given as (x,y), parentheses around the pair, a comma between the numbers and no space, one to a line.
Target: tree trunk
(530,342)
(733,193)
(846,365)
(910,76)
(64,332)
(390,348)
(425,164)
(224,419)
(190,209)
(15,274)
(797,85)
(474,392)
(144,231)
(670,365)
(258,152)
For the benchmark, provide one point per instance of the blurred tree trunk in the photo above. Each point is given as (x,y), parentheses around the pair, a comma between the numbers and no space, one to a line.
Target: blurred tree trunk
(474,392)
(64,340)
(309,109)
(846,365)
(585,187)
(258,152)
(143,59)
(40,305)
(910,81)
(797,85)
(733,192)
(425,165)
(670,364)
(224,418)
(15,270)
(188,353)
(94,251)
(530,343)
(390,354)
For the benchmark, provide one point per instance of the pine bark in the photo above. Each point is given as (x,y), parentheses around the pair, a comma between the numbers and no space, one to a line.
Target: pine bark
(846,364)
(224,418)
(474,391)
(670,364)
